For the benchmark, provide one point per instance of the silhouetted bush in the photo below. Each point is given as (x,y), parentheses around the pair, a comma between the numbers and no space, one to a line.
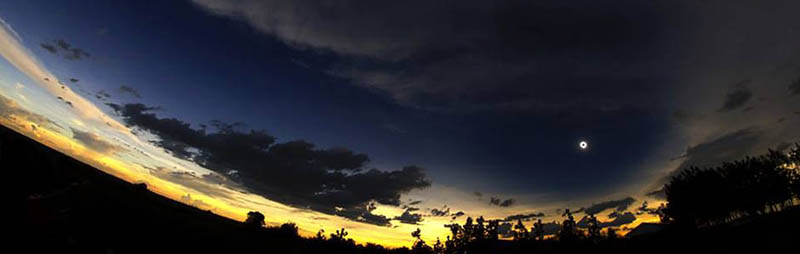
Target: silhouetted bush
(254,219)
(289,229)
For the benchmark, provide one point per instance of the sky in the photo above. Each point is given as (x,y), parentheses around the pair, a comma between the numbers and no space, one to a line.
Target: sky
(387,117)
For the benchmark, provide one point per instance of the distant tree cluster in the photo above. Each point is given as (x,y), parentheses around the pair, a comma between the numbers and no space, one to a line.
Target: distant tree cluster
(483,236)
(733,190)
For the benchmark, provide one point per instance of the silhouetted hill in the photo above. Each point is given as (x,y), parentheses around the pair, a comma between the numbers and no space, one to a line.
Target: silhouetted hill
(68,206)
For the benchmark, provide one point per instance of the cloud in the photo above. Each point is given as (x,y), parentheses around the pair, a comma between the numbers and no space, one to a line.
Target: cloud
(794,87)
(195,202)
(50,48)
(645,209)
(65,49)
(736,98)
(10,30)
(18,56)
(500,202)
(94,141)
(618,205)
(474,55)
(728,147)
(409,218)
(69,103)
(456,215)
(70,52)
(657,194)
(333,180)
(524,217)
(10,109)
(439,213)
(619,220)
(409,208)
(102,95)
(130,90)
(201,184)
(409,205)
(364,214)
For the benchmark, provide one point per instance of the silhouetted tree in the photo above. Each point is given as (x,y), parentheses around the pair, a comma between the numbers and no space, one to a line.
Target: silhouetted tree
(321,235)
(594,228)
(569,231)
(794,163)
(254,219)
(538,230)
(746,187)
(611,234)
(456,240)
(289,228)
(340,235)
(419,245)
(492,230)
(479,231)
(438,247)
(520,231)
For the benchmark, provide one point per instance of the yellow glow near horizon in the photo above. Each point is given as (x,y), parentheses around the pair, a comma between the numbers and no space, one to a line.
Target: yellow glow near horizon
(276,213)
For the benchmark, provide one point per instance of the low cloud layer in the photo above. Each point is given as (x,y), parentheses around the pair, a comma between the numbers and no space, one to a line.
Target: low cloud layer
(10,109)
(334,181)
(524,217)
(94,141)
(617,205)
(409,217)
(501,202)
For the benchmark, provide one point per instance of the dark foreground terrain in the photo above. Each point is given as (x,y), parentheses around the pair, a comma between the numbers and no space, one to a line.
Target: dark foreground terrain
(70,207)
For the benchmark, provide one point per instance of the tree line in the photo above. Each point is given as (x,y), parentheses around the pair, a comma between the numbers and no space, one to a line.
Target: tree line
(755,185)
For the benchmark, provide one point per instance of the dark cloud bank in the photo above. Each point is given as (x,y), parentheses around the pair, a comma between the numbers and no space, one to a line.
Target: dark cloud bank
(618,205)
(501,202)
(728,147)
(477,55)
(334,181)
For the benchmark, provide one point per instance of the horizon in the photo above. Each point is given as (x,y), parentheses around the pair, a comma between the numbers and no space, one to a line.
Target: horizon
(504,111)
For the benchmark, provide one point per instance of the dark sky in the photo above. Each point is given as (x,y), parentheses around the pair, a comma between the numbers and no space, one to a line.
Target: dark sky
(487,96)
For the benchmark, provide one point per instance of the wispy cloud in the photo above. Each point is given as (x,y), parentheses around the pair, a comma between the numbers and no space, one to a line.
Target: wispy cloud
(18,56)
(95,142)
